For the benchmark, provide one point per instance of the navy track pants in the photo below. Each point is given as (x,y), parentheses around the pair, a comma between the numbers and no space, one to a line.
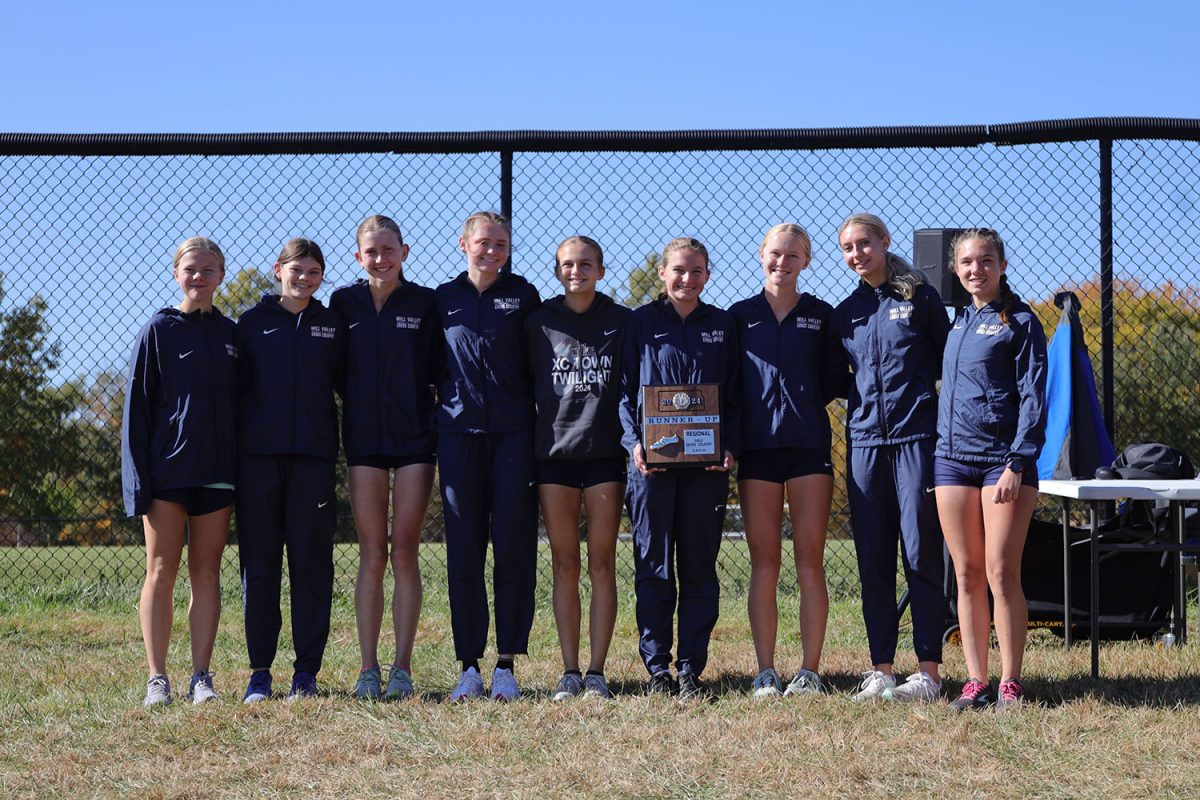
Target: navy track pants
(677,521)
(488,492)
(891,500)
(286,501)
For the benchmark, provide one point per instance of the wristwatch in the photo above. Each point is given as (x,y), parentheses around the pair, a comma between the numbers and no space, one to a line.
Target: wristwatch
(1016,465)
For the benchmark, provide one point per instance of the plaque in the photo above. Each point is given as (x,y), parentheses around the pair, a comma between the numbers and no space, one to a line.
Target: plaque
(681,425)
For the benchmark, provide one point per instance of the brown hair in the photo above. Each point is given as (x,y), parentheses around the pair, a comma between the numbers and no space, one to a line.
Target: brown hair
(373,223)
(484,217)
(792,229)
(299,248)
(1008,300)
(587,241)
(202,243)
(900,275)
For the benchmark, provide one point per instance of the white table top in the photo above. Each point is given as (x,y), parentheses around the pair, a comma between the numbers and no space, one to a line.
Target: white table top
(1134,489)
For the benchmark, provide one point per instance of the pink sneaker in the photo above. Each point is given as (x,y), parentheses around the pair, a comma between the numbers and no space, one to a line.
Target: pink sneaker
(1012,695)
(975,694)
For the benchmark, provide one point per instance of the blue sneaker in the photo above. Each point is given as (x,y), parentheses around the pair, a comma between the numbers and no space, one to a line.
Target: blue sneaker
(304,684)
(370,684)
(259,688)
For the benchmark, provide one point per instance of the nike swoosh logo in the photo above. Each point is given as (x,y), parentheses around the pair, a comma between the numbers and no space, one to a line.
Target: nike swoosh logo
(185,355)
(752,324)
(930,490)
(266,331)
(859,319)
(610,333)
(452,313)
(659,335)
(352,324)
(322,505)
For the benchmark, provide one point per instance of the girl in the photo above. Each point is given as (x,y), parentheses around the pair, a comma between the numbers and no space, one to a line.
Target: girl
(991,424)
(788,374)
(574,346)
(178,460)
(893,330)
(678,515)
(387,432)
(290,351)
(485,454)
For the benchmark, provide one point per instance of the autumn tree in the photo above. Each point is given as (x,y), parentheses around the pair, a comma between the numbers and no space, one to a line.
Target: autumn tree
(644,283)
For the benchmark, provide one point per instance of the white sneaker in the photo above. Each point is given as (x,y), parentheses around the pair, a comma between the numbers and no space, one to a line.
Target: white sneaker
(470,686)
(874,684)
(767,684)
(504,685)
(919,688)
(201,690)
(158,691)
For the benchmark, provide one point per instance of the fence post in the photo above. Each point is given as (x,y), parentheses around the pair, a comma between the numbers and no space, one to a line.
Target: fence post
(506,179)
(1107,315)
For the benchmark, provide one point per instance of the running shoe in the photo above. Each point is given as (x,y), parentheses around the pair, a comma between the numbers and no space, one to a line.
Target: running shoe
(805,682)
(569,685)
(596,686)
(690,688)
(369,685)
(304,684)
(1010,695)
(201,688)
(504,686)
(873,685)
(975,694)
(767,684)
(919,688)
(259,687)
(399,685)
(470,686)
(158,691)
(661,683)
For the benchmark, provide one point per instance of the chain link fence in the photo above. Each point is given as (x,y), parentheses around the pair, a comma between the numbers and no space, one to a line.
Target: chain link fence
(88,225)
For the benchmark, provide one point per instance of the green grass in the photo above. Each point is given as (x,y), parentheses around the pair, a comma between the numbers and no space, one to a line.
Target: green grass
(73,669)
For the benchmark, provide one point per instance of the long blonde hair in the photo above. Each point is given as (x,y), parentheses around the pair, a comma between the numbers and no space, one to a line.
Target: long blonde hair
(901,277)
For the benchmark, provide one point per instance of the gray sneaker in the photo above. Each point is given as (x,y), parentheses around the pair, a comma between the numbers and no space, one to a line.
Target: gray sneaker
(504,686)
(596,686)
(805,682)
(399,685)
(158,691)
(369,685)
(569,685)
(470,686)
(767,684)
(201,688)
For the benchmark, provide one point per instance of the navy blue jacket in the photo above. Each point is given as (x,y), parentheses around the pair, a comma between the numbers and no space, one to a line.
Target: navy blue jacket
(485,387)
(790,370)
(993,404)
(392,360)
(289,366)
(180,421)
(895,349)
(660,349)
(575,362)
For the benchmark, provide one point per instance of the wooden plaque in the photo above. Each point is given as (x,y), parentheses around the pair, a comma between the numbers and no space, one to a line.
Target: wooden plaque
(681,425)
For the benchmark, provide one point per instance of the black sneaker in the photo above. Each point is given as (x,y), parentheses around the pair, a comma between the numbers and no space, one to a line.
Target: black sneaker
(690,688)
(975,694)
(663,684)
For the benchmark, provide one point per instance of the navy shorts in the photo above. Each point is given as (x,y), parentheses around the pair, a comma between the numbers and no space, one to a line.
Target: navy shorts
(781,464)
(390,462)
(197,500)
(948,472)
(580,473)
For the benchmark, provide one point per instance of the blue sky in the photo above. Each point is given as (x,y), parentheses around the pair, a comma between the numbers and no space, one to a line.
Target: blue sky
(73,66)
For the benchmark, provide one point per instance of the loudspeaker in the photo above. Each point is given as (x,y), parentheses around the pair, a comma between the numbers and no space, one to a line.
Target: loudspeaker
(931,256)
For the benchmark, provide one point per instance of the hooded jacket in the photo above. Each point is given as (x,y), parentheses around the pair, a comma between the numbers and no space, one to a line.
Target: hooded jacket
(789,371)
(575,361)
(895,350)
(392,359)
(289,366)
(662,349)
(180,422)
(993,403)
(485,386)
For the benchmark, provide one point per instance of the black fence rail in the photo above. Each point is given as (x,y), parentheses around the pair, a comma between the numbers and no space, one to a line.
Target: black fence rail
(88,224)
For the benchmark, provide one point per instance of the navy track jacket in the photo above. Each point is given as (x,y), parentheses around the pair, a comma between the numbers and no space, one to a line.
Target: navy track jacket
(993,404)
(660,349)
(180,421)
(392,360)
(789,371)
(895,349)
(485,387)
(575,361)
(289,366)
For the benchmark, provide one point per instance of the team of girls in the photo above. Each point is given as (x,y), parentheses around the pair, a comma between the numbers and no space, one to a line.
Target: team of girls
(506,393)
